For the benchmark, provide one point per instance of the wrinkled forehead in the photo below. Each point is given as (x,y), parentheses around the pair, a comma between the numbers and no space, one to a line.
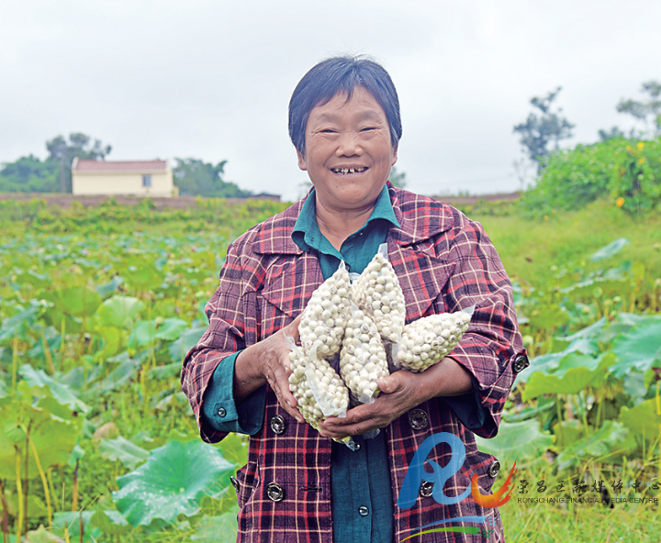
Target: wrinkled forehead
(357,97)
(343,96)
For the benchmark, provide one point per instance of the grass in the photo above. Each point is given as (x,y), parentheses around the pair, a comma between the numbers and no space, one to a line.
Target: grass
(529,249)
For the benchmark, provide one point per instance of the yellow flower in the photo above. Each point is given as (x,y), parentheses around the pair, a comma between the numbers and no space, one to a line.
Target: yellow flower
(640,145)
(619,202)
(629,148)
(641,161)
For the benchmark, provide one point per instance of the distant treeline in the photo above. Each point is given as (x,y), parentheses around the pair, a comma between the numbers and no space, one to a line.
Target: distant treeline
(192,176)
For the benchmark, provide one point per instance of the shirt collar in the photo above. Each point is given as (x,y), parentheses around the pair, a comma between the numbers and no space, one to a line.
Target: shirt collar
(306,233)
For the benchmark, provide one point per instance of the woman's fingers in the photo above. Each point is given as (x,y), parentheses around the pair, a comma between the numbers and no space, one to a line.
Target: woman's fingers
(279,381)
(398,395)
(278,369)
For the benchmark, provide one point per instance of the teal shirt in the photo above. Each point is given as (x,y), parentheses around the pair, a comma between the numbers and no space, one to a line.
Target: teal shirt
(361,491)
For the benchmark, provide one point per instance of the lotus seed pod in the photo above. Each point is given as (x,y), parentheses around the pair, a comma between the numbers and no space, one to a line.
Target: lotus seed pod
(428,340)
(317,387)
(322,324)
(379,294)
(362,358)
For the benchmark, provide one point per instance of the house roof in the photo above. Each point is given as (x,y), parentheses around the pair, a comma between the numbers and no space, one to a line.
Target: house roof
(119,165)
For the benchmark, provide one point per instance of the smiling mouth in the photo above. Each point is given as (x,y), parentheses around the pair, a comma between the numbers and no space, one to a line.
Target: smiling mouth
(346,171)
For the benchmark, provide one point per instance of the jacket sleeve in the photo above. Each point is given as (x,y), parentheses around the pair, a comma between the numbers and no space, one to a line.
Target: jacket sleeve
(231,312)
(221,413)
(492,342)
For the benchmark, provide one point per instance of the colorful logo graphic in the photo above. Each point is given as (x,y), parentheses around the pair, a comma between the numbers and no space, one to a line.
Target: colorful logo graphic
(416,475)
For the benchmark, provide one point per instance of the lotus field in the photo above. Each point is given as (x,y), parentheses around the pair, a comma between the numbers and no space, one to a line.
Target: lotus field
(100,305)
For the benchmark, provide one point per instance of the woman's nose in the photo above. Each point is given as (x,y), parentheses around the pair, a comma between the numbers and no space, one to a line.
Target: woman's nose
(349,144)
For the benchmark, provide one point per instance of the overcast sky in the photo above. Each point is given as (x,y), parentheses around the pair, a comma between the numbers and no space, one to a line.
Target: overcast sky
(212,79)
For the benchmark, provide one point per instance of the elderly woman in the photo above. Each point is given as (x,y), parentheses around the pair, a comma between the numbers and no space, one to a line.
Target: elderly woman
(299,485)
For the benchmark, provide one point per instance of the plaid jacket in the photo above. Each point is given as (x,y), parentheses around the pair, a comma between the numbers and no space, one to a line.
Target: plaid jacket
(444,262)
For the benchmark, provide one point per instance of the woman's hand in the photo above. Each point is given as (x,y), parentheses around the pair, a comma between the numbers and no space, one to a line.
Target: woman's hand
(268,362)
(400,392)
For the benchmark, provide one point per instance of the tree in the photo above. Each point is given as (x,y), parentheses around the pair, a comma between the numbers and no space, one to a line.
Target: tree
(29,174)
(79,145)
(614,132)
(542,129)
(647,111)
(194,177)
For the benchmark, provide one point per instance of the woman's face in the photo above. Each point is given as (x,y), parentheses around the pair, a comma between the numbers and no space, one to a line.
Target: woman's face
(348,151)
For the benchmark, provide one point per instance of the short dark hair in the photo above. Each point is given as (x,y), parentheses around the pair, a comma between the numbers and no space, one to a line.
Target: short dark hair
(341,75)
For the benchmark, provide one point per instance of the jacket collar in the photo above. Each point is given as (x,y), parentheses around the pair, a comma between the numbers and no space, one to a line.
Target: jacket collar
(420,218)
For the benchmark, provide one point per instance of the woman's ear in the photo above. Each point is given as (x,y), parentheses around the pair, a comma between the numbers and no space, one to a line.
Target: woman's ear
(394,157)
(302,164)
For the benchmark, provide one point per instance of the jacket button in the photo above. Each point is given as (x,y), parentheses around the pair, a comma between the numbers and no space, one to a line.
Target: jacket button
(521,362)
(363,511)
(494,468)
(418,419)
(278,424)
(235,483)
(275,492)
(222,412)
(426,489)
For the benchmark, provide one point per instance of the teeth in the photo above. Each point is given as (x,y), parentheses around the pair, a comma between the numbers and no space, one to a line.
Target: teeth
(345,171)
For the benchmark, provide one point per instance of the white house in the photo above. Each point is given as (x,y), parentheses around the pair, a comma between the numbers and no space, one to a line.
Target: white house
(131,178)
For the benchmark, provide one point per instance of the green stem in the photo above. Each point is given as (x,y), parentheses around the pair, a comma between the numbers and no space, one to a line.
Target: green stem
(47,353)
(43,482)
(49,476)
(584,400)
(19,491)
(62,343)
(14,364)
(658,412)
(558,402)
(26,480)
(145,397)
(5,514)
(74,503)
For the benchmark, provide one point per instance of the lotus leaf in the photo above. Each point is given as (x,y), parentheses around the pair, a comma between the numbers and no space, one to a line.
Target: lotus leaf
(75,301)
(110,522)
(110,287)
(171,329)
(643,420)
(639,349)
(235,449)
(547,317)
(517,441)
(606,444)
(574,372)
(53,438)
(186,342)
(119,311)
(609,250)
(219,529)
(172,482)
(123,450)
(62,393)
(120,375)
(143,275)
(18,325)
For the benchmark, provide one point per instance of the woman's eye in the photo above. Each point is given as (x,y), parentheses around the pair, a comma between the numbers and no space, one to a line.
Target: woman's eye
(368,128)
(327,131)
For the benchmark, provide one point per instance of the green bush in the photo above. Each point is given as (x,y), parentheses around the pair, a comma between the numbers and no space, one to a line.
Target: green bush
(637,183)
(628,172)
